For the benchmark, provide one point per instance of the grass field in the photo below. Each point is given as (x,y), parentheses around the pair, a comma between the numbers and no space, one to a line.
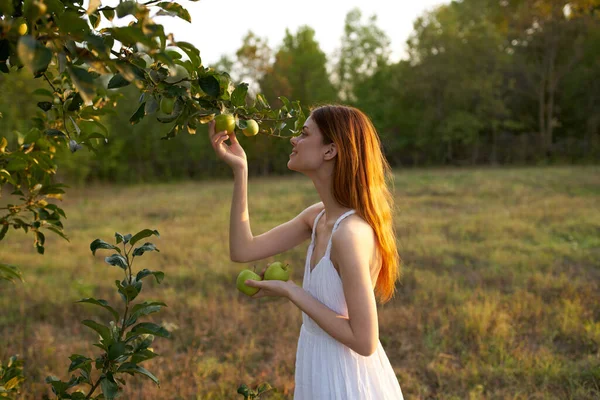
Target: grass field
(499,297)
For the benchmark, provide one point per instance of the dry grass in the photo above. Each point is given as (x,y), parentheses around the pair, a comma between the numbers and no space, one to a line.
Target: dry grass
(498,300)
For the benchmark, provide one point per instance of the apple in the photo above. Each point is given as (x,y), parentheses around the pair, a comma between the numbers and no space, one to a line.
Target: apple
(166,105)
(251,128)
(241,279)
(225,122)
(22,29)
(277,272)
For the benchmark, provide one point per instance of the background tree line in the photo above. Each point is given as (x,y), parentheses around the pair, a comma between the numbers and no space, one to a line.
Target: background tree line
(484,82)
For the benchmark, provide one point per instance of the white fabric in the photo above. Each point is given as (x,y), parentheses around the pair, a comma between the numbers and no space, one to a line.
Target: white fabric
(325,368)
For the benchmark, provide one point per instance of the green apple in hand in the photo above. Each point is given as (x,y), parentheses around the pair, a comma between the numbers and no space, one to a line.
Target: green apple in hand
(225,122)
(241,279)
(277,272)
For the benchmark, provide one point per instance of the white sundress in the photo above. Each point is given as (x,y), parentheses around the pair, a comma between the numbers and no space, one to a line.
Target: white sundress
(326,369)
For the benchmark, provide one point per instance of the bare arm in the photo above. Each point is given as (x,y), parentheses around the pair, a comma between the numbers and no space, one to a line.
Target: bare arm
(243,245)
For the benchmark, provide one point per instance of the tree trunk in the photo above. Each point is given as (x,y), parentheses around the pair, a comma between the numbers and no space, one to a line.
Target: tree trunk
(541,113)
(552,81)
(494,155)
(475,150)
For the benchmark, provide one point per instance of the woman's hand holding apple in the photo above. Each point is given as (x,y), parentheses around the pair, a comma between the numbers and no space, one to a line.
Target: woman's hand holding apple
(233,154)
(273,288)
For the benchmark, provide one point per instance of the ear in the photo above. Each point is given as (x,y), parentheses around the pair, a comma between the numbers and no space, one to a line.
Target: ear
(331,152)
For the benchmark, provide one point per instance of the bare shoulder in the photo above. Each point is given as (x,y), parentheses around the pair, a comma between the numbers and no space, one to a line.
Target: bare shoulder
(309,214)
(354,232)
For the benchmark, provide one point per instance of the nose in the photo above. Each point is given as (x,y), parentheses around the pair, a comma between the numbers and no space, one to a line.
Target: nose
(293,140)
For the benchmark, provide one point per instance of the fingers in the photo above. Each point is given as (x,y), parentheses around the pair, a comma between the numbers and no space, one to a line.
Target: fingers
(233,138)
(211,131)
(253,283)
(219,138)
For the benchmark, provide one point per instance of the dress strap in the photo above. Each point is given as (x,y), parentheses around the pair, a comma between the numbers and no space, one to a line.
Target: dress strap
(314,231)
(344,215)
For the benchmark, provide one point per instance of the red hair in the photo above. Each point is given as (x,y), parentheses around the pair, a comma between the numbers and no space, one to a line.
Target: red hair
(359,182)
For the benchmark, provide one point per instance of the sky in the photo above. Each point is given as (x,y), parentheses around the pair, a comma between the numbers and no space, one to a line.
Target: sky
(218,26)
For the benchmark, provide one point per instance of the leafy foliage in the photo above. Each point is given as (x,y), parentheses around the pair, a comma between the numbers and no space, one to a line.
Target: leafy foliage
(11,376)
(253,394)
(84,66)
(125,342)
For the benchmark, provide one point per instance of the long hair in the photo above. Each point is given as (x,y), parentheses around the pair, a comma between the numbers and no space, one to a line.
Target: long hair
(359,182)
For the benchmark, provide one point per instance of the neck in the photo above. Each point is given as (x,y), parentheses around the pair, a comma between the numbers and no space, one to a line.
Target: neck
(323,182)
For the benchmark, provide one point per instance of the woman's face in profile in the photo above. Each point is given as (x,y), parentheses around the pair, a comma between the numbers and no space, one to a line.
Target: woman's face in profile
(307,148)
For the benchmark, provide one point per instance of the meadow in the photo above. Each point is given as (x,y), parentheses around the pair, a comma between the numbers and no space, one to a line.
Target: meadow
(499,296)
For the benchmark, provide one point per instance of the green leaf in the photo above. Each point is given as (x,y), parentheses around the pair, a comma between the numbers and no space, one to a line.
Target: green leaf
(80,362)
(149,327)
(134,368)
(116,260)
(33,54)
(129,292)
(71,23)
(109,13)
(116,350)
(262,101)
(143,234)
(238,97)
(94,18)
(110,389)
(138,115)
(138,251)
(103,330)
(101,303)
(210,85)
(145,308)
(119,237)
(158,275)
(151,106)
(84,82)
(55,7)
(263,387)
(76,102)
(285,101)
(126,8)
(131,35)
(55,133)
(10,272)
(101,244)
(59,232)
(143,355)
(3,231)
(244,390)
(175,9)
(43,92)
(117,81)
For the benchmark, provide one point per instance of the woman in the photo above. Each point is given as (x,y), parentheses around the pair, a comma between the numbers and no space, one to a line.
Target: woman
(352,254)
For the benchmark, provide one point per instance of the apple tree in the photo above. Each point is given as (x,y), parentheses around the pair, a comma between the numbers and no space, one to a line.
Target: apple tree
(84,55)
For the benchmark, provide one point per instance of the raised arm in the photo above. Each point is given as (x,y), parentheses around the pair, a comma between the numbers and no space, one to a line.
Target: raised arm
(243,245)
